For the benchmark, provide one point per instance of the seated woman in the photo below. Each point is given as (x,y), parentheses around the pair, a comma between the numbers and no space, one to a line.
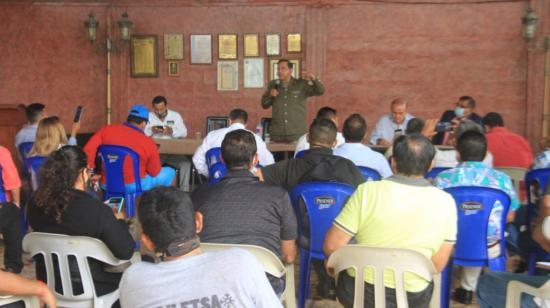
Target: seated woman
(51,136)
(61,205)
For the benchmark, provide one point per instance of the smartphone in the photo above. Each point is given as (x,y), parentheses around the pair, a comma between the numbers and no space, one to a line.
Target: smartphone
(443,127)
(116,203)
(78,114)
(159,127)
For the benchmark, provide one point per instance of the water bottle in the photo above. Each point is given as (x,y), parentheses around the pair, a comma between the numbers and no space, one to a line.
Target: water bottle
(260,130)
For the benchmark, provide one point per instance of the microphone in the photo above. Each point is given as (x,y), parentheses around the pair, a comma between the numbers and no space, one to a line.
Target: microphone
(277,84)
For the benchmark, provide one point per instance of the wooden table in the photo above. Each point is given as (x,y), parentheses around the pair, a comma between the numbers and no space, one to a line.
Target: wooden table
(188,146)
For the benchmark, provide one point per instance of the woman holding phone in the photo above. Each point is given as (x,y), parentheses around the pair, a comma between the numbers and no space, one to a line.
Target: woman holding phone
(61,205)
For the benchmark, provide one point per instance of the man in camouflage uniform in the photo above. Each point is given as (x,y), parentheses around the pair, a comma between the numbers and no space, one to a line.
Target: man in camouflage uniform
(288,96)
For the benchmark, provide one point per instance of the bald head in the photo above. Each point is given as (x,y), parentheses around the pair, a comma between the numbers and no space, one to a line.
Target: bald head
(398,110)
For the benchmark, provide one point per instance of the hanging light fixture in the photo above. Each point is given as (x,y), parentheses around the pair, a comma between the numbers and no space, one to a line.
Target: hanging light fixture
(529,23)
(91,27)
(125,26)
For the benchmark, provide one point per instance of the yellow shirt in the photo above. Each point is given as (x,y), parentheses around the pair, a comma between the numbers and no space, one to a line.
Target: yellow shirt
(400,212)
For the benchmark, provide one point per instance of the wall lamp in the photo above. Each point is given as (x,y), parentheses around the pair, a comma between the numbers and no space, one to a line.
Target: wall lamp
(529,24)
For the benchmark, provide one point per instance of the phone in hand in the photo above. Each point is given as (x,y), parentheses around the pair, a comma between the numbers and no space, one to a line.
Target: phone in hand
(78,114)
(443,127)
(159,127)
(116,203)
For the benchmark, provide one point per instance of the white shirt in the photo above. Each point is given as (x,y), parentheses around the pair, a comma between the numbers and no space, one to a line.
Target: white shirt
(214,140)
(385,128)
(26,134)
(303,145)
(362,155)
(172,119)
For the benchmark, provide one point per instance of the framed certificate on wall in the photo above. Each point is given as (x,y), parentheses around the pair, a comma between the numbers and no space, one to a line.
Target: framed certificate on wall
(227,46)
(143,56)
(228,75)
(272,44)
(251,45)
(201,48)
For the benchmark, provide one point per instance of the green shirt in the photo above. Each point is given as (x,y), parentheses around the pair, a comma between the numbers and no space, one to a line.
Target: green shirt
(289,107)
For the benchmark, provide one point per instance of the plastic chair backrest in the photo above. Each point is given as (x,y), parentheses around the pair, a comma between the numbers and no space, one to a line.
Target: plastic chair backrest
(434,172)
(213,156)
(369,173)
(515,288)
(113,157)
(300,154)
(29,301)
(270,262)
(24,149)
(474,205)
(397,259)
(539,176)
(2,190)
(516,175)
(216,173)
(323,202)
(81,248)
(33,165)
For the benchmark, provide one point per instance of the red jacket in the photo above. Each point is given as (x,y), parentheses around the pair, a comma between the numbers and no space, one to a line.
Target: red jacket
(132,137)
(509,149)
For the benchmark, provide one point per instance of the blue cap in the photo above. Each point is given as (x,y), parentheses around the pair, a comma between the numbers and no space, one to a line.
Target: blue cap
(140,111)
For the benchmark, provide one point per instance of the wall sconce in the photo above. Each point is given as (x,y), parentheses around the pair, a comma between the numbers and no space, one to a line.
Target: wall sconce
(124,25)
(529,23)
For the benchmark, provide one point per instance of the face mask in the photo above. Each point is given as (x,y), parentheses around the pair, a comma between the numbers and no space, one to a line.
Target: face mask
(459,111)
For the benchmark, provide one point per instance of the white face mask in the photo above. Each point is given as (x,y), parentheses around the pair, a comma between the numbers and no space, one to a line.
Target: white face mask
(459,111)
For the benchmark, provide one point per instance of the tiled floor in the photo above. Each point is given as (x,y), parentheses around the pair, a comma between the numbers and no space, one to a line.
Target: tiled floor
(29,272)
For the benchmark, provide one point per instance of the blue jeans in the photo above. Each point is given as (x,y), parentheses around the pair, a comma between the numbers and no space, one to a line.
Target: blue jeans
(491,288)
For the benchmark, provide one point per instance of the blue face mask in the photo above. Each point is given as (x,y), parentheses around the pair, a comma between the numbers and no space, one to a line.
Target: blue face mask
(459,111)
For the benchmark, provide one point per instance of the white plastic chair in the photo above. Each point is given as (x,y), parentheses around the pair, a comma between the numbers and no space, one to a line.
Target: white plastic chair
(81,247)
(30,301)
(399,260)
(271,264)
(515,288)
(516,175)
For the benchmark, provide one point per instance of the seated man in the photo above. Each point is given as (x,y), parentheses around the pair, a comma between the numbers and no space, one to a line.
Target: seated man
(355,129)
(185,277)
(472,148)
(391,125)
(34,112)
(464,110)
(237,120)
(131,135)
(492,286)
(323,113)
(242,210)
(509,149)
(168,124)
(9,214)
(402,211)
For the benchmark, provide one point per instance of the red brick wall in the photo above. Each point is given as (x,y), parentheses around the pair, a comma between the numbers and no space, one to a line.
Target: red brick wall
(366,53)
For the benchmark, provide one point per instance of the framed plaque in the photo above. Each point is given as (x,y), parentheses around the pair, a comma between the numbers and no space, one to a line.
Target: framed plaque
(272,44)
(201,48)
(173,46)
(294,42)
(273,68)
(227,46)
(253,72)
(144,58)
(228,75)
(251,45)
(173,68)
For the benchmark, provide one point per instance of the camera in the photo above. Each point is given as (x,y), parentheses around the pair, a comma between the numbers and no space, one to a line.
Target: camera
(442,127)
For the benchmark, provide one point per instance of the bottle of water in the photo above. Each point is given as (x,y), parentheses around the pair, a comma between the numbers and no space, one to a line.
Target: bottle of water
(260,130)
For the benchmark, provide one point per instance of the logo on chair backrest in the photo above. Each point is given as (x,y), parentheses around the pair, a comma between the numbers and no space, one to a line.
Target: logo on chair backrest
(471,207)
(112,158)
(325,202)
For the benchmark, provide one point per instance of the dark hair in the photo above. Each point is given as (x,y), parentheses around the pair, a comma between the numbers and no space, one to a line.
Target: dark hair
(134,119)
(326,113)
(467,126)
(238,114)
(34,111)
(469,100)
(415,126)
(288,63)
(413,154)
(238,149)
(57,177)
(166,215)
(159,99)
(322,131)
(472,146)
(493,119)
(355,128)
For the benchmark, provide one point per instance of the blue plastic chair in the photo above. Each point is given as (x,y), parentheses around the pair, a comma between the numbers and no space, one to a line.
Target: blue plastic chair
(539,177)
(369,173)
(216,167)
(32,165)
(2,190)
(24,149)
(323,202)
(474,205)
(300,154)
(434,172)
(113,157)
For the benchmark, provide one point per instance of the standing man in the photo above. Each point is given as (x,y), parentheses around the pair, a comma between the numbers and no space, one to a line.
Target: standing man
(288,96)
(168,124)
(391,125)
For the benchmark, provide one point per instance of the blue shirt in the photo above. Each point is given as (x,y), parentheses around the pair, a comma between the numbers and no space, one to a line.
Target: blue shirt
(362,155)
(385,128)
